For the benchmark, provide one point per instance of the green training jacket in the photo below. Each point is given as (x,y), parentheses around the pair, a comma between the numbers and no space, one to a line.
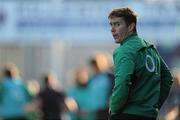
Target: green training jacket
(142,79)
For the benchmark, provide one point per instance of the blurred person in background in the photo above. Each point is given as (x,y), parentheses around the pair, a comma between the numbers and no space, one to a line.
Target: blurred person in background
(50,103)
(99,85)
(13,94)
(170,109)
(142,78)
(51,99)
(33,87)
(80,93)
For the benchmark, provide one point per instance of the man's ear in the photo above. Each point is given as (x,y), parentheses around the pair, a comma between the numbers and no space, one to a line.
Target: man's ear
(131,27)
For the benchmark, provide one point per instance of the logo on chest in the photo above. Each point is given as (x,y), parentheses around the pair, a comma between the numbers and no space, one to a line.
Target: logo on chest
(149,63)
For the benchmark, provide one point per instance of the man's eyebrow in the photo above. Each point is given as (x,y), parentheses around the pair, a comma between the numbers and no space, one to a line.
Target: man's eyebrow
(114,22)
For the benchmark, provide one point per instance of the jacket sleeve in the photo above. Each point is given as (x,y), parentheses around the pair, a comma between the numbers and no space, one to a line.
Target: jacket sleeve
(166,82)
(123,68)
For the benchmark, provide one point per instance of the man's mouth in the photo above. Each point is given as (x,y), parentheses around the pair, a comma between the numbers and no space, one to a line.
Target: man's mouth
(115,36)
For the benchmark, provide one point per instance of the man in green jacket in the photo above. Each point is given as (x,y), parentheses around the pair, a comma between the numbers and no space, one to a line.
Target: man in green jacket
(142,78)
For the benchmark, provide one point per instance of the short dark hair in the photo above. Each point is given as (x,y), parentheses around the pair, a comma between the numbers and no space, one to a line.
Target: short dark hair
(128,15)
(7,72)
(93,62)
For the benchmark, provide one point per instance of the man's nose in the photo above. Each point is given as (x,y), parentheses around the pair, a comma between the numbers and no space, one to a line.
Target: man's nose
(112,29)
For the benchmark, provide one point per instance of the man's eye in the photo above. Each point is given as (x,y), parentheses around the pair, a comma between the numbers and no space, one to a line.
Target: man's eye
(114,24)
(117,24)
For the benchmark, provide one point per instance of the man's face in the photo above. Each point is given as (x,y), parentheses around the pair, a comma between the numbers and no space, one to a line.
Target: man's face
(119,29)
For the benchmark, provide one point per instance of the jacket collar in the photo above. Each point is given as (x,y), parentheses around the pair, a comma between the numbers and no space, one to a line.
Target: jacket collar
(127,38)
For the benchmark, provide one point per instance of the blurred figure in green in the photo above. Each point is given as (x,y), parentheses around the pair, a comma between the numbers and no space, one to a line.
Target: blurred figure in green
(170,110)
(13,94)
(100,85)
(81,94)
(34,112)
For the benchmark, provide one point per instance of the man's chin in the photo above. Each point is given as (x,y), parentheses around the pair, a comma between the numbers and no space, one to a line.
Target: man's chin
(117,41)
